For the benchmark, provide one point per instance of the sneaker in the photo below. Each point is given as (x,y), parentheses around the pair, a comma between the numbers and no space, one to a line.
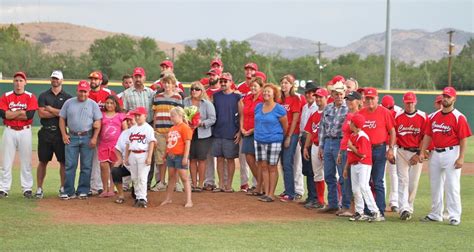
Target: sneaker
(376,217)
(141,203)
(64,196)
(356,217)
(178,188)
(244,188)
(3,194)
(298,196)
(39,193)
(159,186)
(405,215)
(427,218)
(83,196)
(61,190)
(28,194)
(94,192)
(287,198)
(309,204)
(394,209)
(454,222)
(318,206)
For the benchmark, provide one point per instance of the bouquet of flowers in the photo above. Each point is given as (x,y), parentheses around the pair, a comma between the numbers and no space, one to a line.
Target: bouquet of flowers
(192,115)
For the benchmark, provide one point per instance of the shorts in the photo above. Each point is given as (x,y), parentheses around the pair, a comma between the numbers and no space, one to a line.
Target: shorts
(200,148)
(224,148)
(50,142)
(160,148)
(106,153)
(248,145)
(175,161)
(269,152)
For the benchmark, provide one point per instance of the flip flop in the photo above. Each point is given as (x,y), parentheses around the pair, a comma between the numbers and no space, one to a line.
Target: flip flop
(120,200)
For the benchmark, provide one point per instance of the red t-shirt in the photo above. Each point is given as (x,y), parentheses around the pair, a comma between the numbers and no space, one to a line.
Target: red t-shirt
(11,101)
(346,131)
(292,104)
(243,88)
(211,91)
(447,129)
(249,110)
(312,126)
(377,124)
(101,96)
(362,142)
(410,129)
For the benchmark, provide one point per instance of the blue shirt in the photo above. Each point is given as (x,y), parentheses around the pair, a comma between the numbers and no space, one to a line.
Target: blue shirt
(227,115)
(80,116)
(268,128)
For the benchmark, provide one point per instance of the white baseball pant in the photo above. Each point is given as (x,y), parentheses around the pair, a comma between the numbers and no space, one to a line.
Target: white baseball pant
(11,141)
(96,181)
(444,175)
(392,172)
(298,171)
(317,164)
(408,177)
(139,173)
(360,176)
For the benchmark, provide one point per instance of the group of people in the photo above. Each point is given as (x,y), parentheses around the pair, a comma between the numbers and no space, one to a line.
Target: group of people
(338,136)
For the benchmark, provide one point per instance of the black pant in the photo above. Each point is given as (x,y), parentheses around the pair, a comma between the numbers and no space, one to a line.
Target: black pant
(118,173)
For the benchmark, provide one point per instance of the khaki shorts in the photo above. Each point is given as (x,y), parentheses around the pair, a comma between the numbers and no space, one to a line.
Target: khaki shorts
(160,148)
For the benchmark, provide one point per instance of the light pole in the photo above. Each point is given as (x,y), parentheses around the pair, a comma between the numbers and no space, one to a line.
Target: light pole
(319,64)
(450,56)
(388,49)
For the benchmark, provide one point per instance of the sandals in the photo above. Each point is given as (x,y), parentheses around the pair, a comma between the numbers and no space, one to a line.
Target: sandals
(120,200)
(197,189)
(266,199)
(255,193)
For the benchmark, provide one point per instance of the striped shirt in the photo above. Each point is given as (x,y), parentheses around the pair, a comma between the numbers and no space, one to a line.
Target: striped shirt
(133,98)
(162,105)
(331,122)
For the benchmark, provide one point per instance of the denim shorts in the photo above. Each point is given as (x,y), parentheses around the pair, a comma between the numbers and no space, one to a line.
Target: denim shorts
(248,145)
(175,161)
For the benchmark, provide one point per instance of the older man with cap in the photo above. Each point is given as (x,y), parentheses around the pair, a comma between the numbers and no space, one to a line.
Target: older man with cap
(17,108)
(83,117)
(379,127)
(50,142)
(330,136)
(448,129)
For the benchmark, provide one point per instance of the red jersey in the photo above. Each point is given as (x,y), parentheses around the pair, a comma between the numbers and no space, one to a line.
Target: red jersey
(377,124)
(243,88)
(410,129)
(13,102)
(101,96)
(431,147)
(249,110)
(362,142)
(447,129)
(312,126)
(157,84)
(292,104)
(346,131)
(211,91)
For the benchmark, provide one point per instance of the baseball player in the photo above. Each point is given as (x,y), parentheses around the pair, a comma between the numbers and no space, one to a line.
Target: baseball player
(410,127)
(449,130)
(17,108)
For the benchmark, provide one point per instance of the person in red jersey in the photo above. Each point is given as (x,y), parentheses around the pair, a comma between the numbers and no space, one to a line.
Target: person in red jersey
(448,129)
(17,108)
(250,70)
(378,126)
(214,85)
(167,66)
(410,127)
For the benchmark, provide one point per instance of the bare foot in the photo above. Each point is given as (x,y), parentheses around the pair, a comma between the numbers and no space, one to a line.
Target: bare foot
(165,202)
(189,204)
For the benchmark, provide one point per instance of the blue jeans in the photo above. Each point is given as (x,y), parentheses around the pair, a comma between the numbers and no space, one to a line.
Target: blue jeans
(79,145)
(346,185)
(287,160)
(378,175)
(331,149)
(307,170)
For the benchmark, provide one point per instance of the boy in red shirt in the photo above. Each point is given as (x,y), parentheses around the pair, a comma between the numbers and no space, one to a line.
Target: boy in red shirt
(359,157)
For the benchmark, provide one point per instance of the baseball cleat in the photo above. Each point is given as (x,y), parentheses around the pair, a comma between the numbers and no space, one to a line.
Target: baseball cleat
(3,194)
(394,209)
(454,222)
(39,193)
(355,217)
(141,203)
(405,215)
(376,217)
(28,194)
(428,219)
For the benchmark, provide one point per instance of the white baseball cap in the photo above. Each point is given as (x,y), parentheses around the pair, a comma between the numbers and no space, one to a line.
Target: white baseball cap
(57,74)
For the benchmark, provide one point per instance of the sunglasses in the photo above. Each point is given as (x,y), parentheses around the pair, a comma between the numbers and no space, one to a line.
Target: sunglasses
(195,89)
(223,81)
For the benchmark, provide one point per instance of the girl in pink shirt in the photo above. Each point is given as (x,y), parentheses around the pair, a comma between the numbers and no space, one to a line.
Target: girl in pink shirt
(113,122)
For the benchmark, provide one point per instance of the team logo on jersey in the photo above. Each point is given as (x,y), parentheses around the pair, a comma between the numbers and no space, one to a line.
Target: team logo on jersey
(409,130)
(315,127)
(140,138)
(173,137)
(442,128)
(17,106)
(287,107)
(370,124)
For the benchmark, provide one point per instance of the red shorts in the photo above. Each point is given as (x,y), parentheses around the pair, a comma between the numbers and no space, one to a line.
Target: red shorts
(106,154)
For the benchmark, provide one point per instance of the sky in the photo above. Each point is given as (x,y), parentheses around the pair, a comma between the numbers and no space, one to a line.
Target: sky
(336,22)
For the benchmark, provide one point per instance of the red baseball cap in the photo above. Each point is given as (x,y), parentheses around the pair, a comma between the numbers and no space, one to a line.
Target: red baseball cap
(129,115)
(21,74)
(449,91)
(338,78)
(360,90)
(358,120)
(226,76)
(322,92)
(251,65)
(409,97)
(83,86)
(139,71)
(370,92)
(439,98)
(140,111)
(261,75)
(214,71)
(95,75)
(388,101)
(217,61)
(167,63)
(204,81)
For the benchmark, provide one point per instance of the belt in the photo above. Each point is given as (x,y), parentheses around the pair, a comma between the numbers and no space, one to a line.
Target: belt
(443,149)
(18,128)
(411,149)
(138,151)
(80,133)
(53,127)
(378,145)
(335,137)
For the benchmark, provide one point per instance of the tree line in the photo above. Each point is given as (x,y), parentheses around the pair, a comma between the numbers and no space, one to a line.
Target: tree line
(119,54)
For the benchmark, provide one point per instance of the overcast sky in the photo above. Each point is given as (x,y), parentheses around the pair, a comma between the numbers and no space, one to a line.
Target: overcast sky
(335,22)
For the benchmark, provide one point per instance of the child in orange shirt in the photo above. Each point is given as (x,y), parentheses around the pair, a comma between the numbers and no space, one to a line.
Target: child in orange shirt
(177,153)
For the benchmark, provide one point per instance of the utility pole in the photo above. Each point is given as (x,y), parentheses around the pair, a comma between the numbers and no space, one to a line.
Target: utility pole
(450,56)
(388,49)
(172,54)
(319,64)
